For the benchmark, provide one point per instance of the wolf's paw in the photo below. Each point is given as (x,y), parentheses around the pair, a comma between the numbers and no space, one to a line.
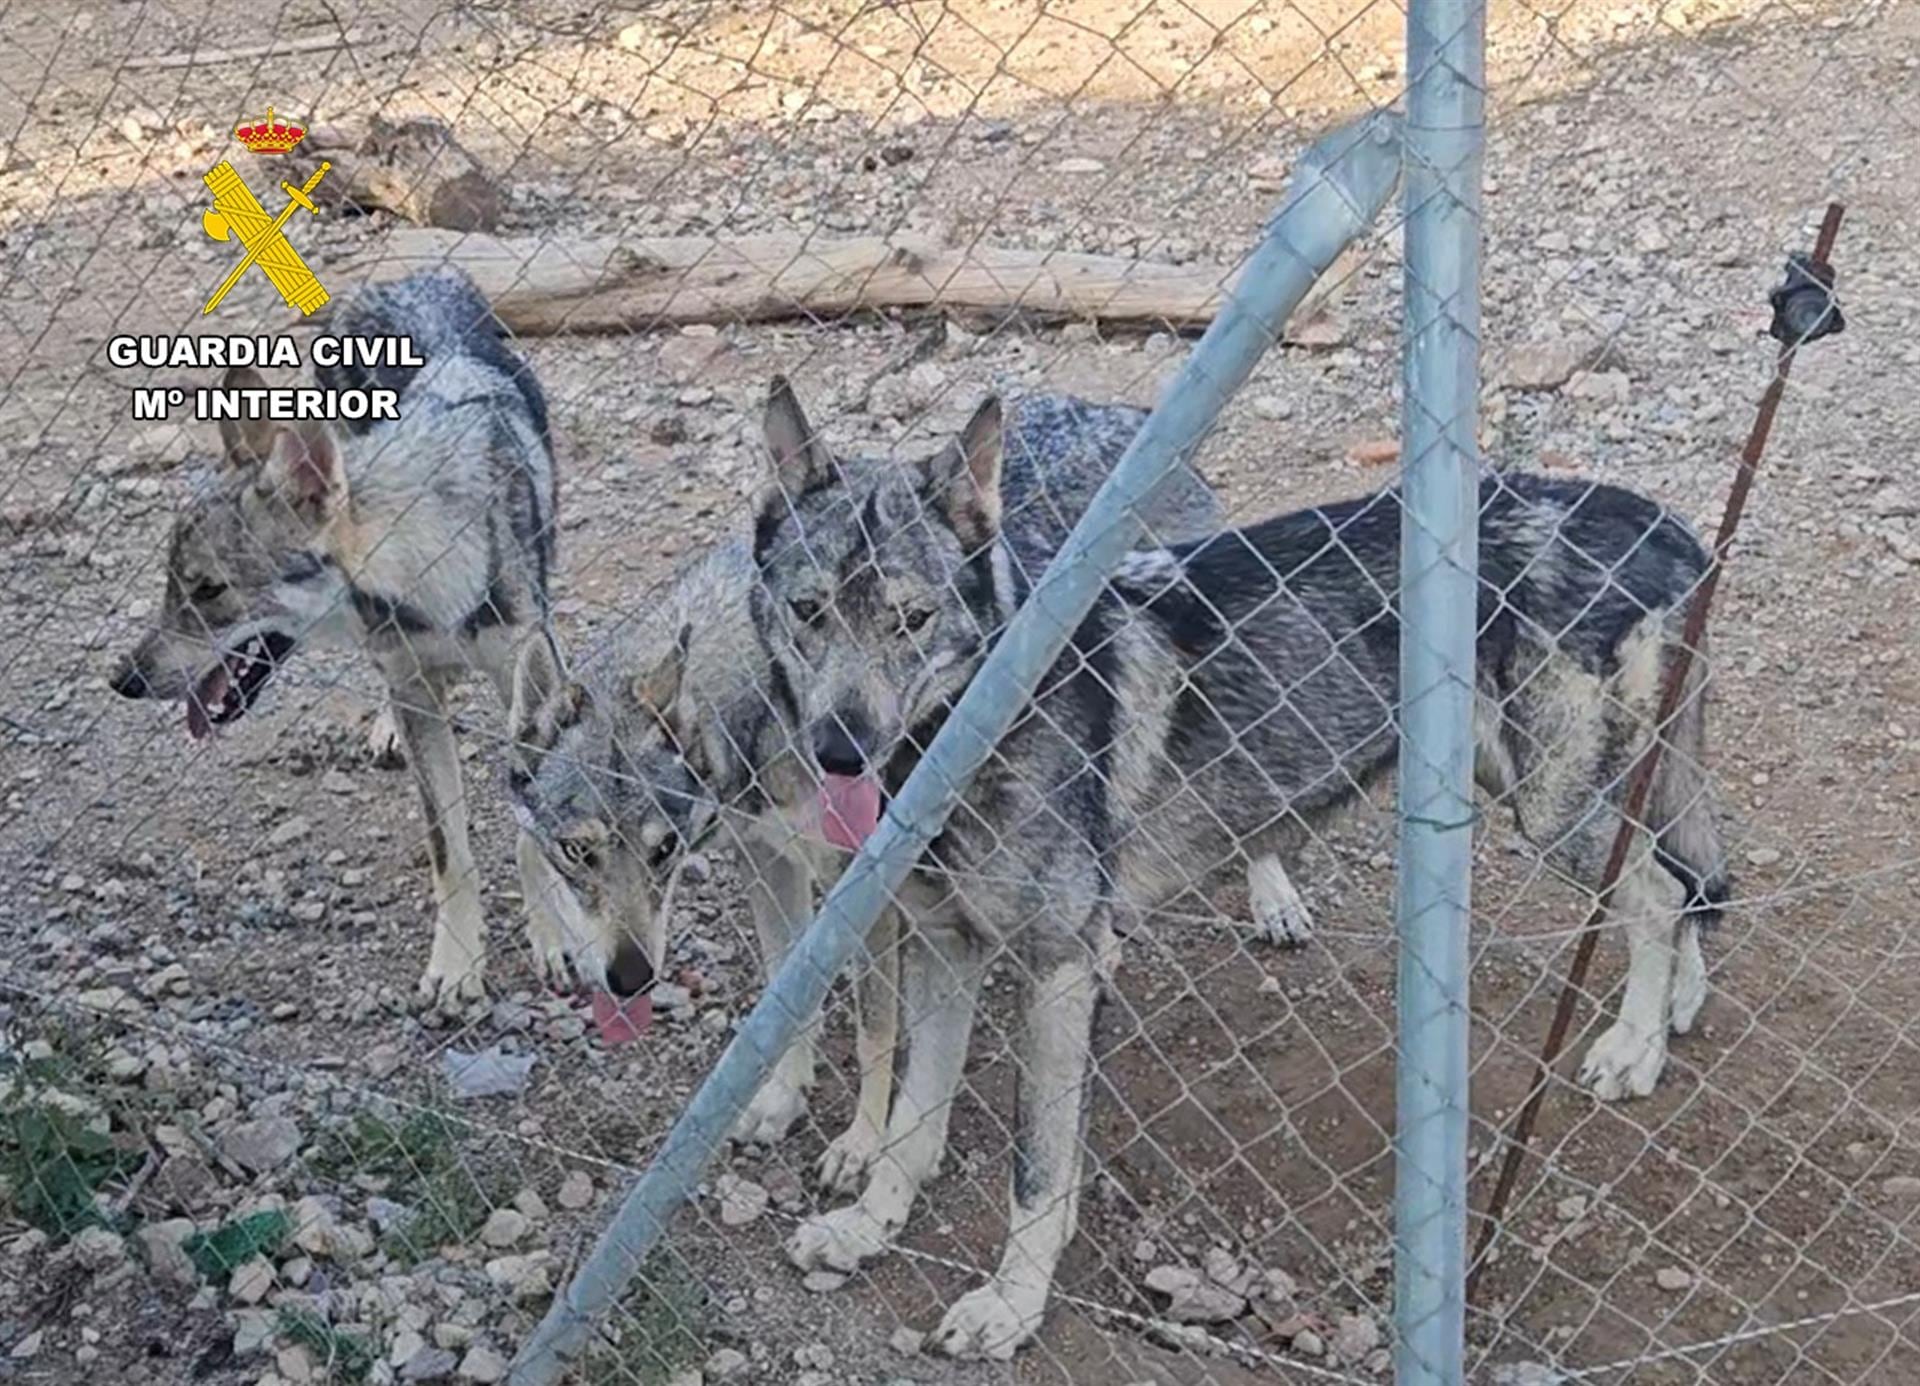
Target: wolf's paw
(384,746)
(1280,915)
(456,972)
(840,1240)
(551,967)
(548,952)
(1624,1062)
(993,1321)
(846,1159)
(449,991)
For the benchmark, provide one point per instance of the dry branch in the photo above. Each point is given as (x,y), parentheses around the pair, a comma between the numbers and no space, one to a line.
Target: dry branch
(414,168)
(546,286)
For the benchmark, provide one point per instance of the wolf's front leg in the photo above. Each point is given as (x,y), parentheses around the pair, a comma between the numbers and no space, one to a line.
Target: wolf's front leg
(876,1037)
(547,895)
(456,966)
(1627,1060)
(780,898)
(1056,1060)
(941,981)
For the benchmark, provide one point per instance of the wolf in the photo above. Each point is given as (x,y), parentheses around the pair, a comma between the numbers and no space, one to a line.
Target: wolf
(425,541)
(1223,696)
(681,730)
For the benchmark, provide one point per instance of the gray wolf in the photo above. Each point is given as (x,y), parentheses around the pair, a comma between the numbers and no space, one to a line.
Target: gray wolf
(425,541)
(1223,695)
(681,730)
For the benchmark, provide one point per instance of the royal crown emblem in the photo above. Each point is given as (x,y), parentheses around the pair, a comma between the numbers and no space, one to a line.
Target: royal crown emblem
(268,137)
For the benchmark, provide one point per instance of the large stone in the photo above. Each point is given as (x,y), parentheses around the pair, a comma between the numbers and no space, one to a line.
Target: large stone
(295,1363)
(260,1146)
(1545,365)
(741,1200)
(251,1280)
(98,1249)
(1354,1336)
(1600,387)
(164,1246)
(505,1227)
(1193,1298)
(1227,1271)
(523,1277)
(383,1060)
(186,1184)
(291,831)
(253,1331)
(315,1228)
(428,1364)
(482,1364)
(403,1345)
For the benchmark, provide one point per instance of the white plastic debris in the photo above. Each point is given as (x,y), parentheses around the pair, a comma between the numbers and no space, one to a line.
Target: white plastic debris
(490,1073)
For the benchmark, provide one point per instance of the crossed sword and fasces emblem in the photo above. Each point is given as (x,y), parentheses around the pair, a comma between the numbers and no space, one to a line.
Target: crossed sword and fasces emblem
(236,211)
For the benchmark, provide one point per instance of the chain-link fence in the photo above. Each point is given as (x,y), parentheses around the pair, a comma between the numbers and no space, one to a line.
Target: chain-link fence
(241,1139)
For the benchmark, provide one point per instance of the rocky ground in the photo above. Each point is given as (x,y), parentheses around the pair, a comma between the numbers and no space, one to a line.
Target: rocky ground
(230,1150)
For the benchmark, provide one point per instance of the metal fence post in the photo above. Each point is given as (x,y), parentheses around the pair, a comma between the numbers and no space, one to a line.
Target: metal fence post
(1338,188)
(1439,566)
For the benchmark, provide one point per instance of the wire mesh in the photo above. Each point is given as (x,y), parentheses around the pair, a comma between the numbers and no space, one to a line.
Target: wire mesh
(233,1140)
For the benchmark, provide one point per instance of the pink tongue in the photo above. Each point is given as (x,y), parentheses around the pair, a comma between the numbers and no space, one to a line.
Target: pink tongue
(618,1020)
(849,810)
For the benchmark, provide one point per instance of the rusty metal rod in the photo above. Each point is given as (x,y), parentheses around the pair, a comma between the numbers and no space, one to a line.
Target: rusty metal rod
(1641,782)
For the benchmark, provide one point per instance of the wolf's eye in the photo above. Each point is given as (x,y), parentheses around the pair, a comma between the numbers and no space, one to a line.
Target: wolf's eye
(581,854)
(914,619)
(208,591)
(806,611)
(663,853)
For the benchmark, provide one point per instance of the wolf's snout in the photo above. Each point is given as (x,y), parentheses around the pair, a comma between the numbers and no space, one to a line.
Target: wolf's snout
(624,1010)
(836,745)
(130,680)
(631,973)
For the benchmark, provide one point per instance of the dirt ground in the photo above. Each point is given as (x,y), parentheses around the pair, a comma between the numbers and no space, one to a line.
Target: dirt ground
(216,939)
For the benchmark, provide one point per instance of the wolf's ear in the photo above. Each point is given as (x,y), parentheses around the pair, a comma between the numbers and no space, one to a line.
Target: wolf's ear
(965,477)
(307,467)
(657,688)
(800,459)
(246,442)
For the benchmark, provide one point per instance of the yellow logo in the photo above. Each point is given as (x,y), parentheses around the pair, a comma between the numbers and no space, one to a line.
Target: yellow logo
(236,211)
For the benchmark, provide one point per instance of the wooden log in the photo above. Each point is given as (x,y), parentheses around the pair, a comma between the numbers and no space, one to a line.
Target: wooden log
(220,57)
(413,168)
(541,286)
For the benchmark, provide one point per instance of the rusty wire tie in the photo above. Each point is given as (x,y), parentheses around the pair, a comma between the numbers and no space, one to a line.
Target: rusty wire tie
(1804,310)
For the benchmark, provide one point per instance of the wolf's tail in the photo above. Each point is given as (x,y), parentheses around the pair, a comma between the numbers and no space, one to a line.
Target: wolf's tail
(1680,808)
